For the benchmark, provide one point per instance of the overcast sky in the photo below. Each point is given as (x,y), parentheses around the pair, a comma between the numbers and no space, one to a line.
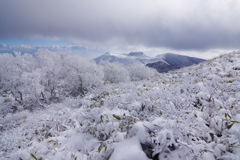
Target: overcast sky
(182,26)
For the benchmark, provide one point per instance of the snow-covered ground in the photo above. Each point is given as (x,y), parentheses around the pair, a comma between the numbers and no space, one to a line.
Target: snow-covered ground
(191,113)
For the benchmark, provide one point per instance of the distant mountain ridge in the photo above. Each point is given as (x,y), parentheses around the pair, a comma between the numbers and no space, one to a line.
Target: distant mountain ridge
(162,63)
(127,59)
(174,61)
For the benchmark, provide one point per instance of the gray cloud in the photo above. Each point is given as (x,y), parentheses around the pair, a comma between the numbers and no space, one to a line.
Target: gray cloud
(186,24)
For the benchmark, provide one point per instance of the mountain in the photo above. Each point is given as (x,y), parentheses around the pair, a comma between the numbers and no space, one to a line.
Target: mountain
(174,61)
(127,59)
(162,63)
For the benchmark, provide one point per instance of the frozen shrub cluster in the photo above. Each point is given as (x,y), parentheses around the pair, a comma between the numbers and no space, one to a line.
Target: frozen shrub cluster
(114,72)
(117,73)
(139,72)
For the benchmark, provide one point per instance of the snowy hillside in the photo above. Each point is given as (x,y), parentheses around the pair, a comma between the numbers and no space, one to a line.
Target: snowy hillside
(179,60)
(190,113)
(127,59)
(173,62)
(162,63)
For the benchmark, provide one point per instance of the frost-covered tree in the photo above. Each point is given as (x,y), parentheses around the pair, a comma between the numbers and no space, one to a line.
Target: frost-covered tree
(80,75)
(114,72)
(31,81)
(20,80)
(67,74)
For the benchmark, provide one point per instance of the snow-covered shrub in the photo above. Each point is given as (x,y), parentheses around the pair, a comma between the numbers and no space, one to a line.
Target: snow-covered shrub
(114,72)
(162,138)
(140,72)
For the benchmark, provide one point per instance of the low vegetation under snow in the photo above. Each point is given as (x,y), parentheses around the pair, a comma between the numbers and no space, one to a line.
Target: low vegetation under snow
(57,106)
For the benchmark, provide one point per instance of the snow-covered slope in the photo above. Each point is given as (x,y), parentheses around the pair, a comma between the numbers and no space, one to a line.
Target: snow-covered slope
(180,60)
(190,113)
(126,59)
(173,61)
(162,63)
